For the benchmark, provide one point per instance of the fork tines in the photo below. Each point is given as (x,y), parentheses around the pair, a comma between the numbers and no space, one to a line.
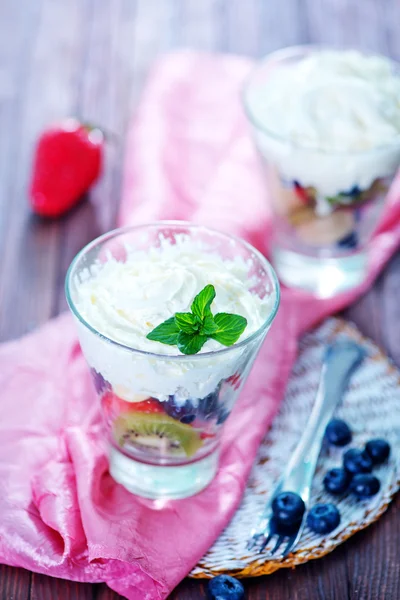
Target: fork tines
(263,536)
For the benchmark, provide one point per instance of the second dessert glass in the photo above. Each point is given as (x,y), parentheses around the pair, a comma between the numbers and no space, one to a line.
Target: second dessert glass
(326,204)
(170,449)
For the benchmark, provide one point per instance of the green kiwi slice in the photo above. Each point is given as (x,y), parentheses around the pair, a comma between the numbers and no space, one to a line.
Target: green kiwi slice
(158,433)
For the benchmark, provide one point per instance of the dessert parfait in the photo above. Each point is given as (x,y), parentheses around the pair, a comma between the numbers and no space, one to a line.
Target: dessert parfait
(170,319)
(327,125)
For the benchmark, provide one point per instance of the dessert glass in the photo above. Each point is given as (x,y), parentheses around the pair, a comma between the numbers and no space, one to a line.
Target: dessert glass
(163,413)
(320,240)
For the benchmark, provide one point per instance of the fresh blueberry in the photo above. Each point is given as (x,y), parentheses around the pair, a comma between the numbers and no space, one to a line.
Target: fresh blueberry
(365,485)
(354,191)
(277,527)
(224,587)
(357,461)
(350,241)
(100,383)
(208,406)
(378,450)
(338,432)
(187,419)
(323,518)
(336,481)
(182,412)
(223,414)
(288,507)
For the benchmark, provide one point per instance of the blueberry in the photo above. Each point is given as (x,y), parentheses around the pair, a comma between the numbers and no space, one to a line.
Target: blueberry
(378,450)
(288,507)
(187,419)
(357,461)
(338,432)
(182,412)
(99,382)
(365,485)
(336,481)
(277,527)
(323,518)
(208,406)
(223,414)
(349,241)
(224,587)
(354,191)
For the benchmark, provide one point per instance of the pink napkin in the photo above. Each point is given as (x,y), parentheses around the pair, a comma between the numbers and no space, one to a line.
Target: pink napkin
(189,156)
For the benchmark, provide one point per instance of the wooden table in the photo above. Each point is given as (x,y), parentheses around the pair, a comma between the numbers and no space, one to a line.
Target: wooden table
(90,58)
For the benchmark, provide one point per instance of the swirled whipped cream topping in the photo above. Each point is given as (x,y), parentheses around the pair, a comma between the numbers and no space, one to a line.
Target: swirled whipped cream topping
(332,100)
(125,300)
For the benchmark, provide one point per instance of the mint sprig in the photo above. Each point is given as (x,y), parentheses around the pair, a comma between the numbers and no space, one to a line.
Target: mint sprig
(166,333)
(202,302)
(190,330)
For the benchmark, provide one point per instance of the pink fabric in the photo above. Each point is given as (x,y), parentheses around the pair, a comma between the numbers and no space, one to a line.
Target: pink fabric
(189,156)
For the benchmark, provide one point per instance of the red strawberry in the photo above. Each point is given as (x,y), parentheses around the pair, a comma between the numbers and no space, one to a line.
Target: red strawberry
(234,380)
(114,406)
(110,405)
(206,436)
(67,162)
(147,406)
(301,193)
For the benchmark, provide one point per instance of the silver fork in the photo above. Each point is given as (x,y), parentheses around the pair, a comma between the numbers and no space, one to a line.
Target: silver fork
(340,360)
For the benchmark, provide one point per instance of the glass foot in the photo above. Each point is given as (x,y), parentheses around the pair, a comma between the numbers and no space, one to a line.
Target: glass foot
(324,277)
(161,481)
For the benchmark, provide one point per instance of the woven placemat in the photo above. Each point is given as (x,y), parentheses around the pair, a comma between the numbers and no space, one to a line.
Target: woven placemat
(372,408)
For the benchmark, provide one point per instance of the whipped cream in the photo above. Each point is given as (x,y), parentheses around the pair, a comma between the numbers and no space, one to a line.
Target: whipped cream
(333,101)
(336,118)
(125,300)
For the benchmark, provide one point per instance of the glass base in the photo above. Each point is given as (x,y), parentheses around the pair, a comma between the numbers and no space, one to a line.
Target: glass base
(324,277)
(162,482)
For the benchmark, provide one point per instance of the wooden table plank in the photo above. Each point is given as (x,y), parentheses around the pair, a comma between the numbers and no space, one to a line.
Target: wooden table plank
(102,592)
(201,25)
(91,58)
(372,559)
(49,588)
(29,266)
(15,583)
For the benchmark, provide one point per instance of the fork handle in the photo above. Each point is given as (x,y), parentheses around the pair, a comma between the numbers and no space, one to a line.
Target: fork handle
(340,360)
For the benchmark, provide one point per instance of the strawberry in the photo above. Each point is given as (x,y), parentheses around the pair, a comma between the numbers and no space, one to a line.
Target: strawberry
(114,406)
(111,405)
(234,380)
(147,406)
(67,162)
(204,435)
(301,192)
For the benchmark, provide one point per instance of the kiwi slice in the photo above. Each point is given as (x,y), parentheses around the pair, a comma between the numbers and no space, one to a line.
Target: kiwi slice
(157,432)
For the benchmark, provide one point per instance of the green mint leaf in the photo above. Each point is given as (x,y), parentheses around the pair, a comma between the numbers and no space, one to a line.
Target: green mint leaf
(191,343)
(198,321)
(202,302)
(190,331)
(186,322)
(209,326)
(230,328)
(166,333)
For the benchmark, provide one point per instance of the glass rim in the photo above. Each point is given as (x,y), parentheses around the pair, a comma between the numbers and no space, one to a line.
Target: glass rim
(114,233)
(292,52)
